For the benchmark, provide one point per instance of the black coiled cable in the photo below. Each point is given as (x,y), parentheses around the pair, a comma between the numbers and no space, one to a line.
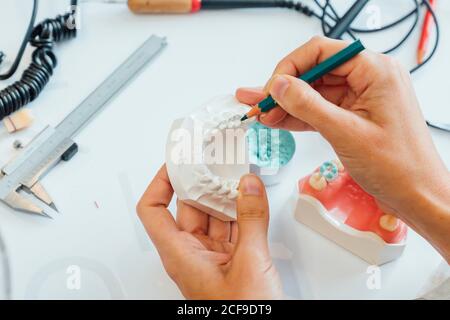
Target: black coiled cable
(37,75)
(297,6)
(327,11)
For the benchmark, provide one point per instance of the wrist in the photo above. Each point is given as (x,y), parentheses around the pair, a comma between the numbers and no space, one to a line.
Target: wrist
(426,195)
(428,210)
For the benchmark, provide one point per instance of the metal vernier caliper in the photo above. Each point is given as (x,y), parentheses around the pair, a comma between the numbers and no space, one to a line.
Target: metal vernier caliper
(54,144)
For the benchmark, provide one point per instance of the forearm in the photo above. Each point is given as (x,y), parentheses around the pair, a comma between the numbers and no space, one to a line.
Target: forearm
(428,213)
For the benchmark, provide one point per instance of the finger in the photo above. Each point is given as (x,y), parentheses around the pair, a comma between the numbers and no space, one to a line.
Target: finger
(334,94)
(219,230)
(216,246)
(275,117)
(290,123)
(272,117)
(234,232)
(152,208)
(252,218)
(358,72)
(332,80)
(191,219)
(312,53)
(301,101)
(254,96)
(250,96)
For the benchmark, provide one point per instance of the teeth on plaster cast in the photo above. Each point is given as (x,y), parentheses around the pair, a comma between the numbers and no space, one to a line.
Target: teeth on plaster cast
(227,115)
(232,187)
(205,179)
(317,181)
(215,184)
(388,222)
(232,195)
(225,189)
(217,120)
(339,164)
(226,120)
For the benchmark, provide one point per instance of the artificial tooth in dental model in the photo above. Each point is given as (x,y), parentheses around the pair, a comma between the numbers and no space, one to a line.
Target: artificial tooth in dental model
(317,181)
(339,164)
(329,171)
(388,222)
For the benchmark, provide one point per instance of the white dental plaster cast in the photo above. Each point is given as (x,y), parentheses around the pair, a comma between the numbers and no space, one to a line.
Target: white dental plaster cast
(206,154)
(341,211)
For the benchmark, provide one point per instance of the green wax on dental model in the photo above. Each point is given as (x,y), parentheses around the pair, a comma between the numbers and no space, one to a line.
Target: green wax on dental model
(269,148)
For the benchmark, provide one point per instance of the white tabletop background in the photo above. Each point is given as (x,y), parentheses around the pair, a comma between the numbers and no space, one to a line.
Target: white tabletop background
(209,53)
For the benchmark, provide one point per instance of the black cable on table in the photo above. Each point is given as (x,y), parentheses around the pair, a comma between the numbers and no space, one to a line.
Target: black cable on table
(43,61)
(342,25)
(329,12)
(50,31)
(23,45)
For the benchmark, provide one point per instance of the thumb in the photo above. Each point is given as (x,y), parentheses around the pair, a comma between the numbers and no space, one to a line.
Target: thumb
(301,101)
(252,217)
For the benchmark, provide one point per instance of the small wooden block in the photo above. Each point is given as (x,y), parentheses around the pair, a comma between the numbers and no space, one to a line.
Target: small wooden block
(18,120)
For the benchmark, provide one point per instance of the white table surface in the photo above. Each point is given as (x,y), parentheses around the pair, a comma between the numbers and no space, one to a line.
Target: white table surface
(209,53)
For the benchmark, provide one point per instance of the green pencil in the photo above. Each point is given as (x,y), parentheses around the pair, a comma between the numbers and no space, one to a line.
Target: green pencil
(312,75)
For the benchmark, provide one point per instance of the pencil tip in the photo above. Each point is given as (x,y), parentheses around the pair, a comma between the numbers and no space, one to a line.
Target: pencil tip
(244,118)
(53,206)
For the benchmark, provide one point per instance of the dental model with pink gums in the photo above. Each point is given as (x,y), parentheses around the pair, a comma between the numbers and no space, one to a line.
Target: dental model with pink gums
(333,204)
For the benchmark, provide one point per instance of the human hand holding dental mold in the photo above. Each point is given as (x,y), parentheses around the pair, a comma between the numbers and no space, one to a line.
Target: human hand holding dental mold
(206,257)
(368,111)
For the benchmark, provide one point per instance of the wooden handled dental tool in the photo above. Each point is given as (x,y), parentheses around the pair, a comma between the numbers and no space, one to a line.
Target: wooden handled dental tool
(188,6)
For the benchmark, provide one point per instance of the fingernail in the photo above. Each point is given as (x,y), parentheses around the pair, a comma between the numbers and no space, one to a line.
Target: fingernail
(250,186)
(279,86)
